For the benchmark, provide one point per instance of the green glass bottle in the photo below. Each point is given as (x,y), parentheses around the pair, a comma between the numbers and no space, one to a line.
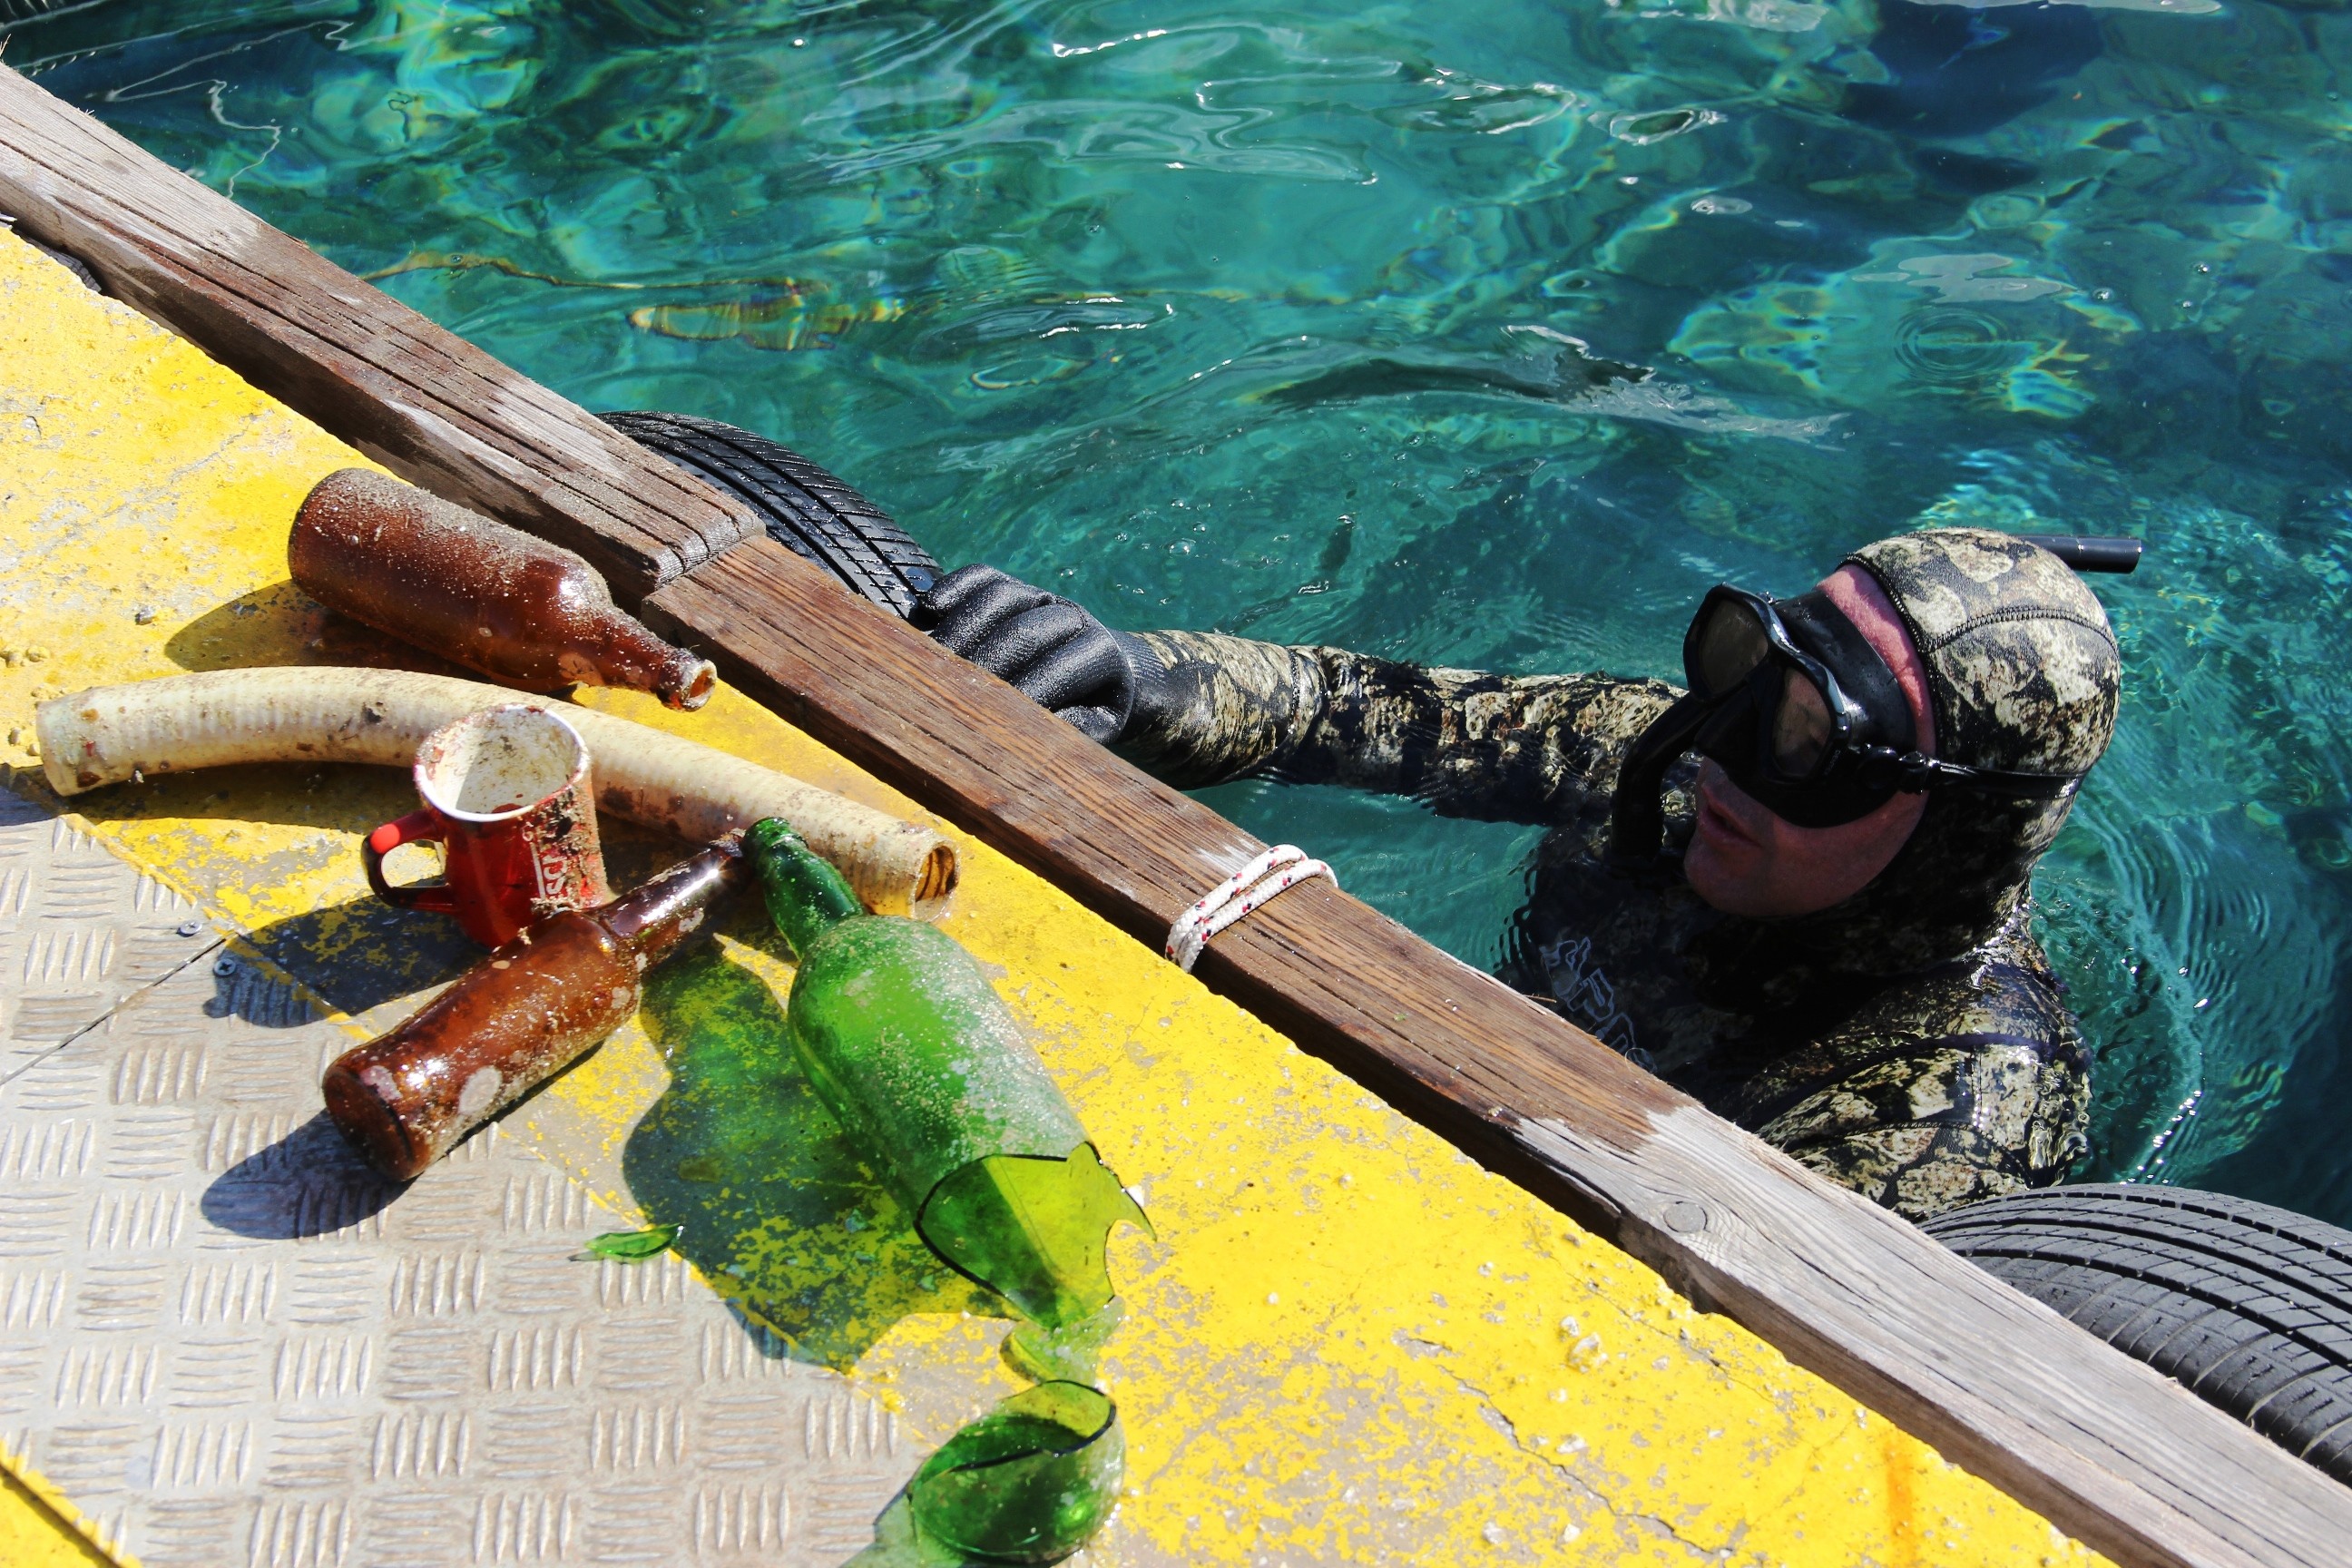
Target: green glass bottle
(911,1050)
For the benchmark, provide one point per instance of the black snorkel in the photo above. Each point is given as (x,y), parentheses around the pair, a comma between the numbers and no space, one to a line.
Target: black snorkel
(2091,551)
(1637,813)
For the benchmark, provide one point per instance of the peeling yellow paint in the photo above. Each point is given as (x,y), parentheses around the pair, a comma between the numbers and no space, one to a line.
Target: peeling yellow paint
(1348,1343)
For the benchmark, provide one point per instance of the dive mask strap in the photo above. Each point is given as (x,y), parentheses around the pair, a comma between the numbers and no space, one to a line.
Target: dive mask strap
(1916,775)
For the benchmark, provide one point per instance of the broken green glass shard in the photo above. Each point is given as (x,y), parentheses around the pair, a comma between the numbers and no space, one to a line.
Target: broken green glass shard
(1072,1353)
(907,1043)
(629,1245)
(1029,1482)
(1033,1229)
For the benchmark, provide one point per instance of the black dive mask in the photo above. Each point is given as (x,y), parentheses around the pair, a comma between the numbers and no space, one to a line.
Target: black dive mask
(1790,700)
(1804,714)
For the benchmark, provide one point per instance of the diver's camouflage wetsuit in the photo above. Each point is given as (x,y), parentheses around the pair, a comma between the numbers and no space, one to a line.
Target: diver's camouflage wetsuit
(1908,1042)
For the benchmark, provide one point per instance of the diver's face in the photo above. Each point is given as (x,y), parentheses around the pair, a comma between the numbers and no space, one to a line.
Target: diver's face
(1746,860)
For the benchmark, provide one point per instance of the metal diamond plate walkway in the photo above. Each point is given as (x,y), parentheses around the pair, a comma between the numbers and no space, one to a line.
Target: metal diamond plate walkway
(209,1300)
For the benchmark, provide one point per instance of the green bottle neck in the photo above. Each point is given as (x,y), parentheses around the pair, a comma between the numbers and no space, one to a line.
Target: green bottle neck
(806,894)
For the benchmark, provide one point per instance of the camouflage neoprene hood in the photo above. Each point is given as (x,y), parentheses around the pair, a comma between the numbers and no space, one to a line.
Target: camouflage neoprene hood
(2024,674)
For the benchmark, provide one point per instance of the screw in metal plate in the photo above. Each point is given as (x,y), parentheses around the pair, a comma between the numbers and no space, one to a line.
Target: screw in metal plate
(225,967)
(189,928)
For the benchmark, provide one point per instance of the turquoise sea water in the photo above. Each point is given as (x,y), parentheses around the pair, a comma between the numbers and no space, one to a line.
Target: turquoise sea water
(1485,334)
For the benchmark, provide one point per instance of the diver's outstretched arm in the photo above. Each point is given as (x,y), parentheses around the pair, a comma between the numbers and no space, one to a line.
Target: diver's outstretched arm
(1199,708)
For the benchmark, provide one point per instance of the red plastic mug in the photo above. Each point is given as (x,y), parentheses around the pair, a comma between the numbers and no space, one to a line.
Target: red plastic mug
(507,793)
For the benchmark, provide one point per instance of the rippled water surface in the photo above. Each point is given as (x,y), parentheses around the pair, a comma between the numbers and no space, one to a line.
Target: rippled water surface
(1490,334)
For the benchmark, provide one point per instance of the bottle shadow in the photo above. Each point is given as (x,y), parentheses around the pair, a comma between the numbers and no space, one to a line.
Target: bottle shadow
(774,1204)
(355,956)
(280,625)
(310,1183)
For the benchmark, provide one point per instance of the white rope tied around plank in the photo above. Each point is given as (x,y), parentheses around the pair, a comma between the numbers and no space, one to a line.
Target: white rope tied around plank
(1284,866)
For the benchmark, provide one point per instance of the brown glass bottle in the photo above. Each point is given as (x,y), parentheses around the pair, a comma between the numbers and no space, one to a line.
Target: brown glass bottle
(487,596)
(513,1021)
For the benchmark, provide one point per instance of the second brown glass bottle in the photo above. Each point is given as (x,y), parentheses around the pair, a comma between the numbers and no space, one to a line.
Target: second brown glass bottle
(516,1019)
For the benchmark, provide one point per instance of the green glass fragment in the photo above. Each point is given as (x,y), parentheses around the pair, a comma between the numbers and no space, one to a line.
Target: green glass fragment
(1033,1229)
(904,1039)
(1029,1481)
(1072,1353)
(629,1245)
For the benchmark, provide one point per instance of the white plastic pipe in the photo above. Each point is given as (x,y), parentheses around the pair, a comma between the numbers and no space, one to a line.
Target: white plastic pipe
(310,713)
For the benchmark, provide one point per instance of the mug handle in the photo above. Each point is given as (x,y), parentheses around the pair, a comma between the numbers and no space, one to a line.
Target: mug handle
(416,827)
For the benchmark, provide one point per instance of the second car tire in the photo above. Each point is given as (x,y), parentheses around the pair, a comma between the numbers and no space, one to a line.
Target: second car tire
(2247,1305)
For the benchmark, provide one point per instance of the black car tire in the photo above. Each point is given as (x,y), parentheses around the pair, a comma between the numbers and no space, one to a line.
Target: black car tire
(2249,1306)
(806,508)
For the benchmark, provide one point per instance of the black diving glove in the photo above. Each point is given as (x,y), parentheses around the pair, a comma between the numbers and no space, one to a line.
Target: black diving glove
(1057,654)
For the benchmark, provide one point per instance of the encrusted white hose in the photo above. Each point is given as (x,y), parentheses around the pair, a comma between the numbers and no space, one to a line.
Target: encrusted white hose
(310,713)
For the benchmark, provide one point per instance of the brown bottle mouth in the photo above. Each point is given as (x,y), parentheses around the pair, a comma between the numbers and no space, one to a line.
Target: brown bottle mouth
(701,680)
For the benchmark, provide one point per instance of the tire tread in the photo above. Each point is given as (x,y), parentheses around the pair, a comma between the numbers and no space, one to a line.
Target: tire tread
(805,509)
(2247,1305)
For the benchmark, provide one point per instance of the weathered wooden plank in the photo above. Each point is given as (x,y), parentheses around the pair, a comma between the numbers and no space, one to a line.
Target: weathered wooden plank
(2104,1447)
(425,403)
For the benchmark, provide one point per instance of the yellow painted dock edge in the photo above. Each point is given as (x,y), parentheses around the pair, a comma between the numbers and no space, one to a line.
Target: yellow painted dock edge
(1348,1342)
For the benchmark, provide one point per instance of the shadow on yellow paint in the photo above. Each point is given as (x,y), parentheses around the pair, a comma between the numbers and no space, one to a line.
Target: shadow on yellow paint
(277,621)
(328,796)
(774,1204)
(359,954)
(280,624)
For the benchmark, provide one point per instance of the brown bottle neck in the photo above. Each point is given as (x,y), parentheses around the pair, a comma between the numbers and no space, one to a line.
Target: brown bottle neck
(656,916)
(626,654)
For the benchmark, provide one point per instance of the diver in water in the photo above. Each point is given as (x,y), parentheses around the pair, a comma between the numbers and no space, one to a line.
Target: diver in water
(1799,887)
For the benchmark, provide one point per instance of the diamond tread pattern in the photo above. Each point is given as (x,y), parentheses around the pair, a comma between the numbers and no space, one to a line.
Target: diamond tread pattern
(2248,1305)
(233,1346)
(807,510)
